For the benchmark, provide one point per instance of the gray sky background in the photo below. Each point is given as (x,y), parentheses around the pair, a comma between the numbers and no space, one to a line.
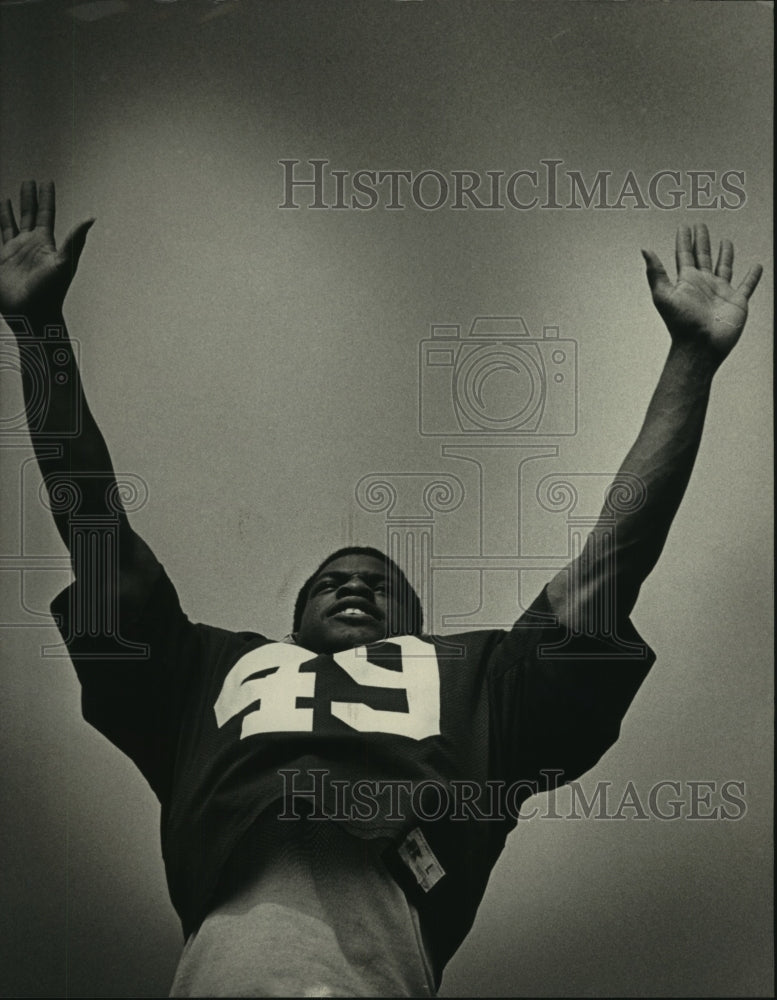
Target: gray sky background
(251,365)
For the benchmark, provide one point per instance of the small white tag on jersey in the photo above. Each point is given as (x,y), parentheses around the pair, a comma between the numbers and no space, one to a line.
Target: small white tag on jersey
(419,858)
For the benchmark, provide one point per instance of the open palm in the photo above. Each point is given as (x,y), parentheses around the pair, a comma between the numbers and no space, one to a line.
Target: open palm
(34,274)
(703,308)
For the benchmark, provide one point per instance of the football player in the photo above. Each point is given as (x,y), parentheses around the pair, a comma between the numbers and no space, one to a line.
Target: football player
(333,802)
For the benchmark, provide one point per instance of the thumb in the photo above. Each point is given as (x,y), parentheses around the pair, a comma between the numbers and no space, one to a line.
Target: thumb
(74,242)
(657,277)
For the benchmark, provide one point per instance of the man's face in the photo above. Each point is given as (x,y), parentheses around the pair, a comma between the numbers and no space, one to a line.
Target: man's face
(348,605)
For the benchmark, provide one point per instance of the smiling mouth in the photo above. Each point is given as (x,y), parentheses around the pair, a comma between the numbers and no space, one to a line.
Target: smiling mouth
(354,615)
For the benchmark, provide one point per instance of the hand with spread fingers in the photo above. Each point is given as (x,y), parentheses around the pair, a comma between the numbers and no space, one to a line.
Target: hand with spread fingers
(34,274)
(702,310)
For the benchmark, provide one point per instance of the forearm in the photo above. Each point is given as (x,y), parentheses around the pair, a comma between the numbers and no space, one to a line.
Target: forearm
(603,583)
(654,476)
(66,439)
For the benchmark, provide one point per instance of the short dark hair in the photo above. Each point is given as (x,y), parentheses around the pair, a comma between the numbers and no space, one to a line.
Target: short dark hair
(411,616)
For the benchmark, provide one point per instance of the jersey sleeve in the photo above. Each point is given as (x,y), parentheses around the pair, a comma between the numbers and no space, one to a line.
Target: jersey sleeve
(557,698)
(134,662)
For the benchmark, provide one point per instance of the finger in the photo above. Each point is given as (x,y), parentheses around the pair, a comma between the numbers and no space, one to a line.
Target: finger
(8,227)
(29,206)
(748,284)
(657,277)
(74,243)
(701,246)
(725,263)
(46,208)
(684,249)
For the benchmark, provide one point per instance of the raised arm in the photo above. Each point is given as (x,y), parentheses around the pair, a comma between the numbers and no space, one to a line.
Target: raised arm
(705,315)
(34,279)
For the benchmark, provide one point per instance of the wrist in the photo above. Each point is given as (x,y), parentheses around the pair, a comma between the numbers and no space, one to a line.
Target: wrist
(693,361)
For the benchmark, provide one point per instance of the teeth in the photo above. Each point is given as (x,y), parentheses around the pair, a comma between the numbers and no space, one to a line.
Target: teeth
(354,611)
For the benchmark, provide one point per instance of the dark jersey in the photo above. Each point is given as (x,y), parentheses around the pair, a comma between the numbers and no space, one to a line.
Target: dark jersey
(432,741)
